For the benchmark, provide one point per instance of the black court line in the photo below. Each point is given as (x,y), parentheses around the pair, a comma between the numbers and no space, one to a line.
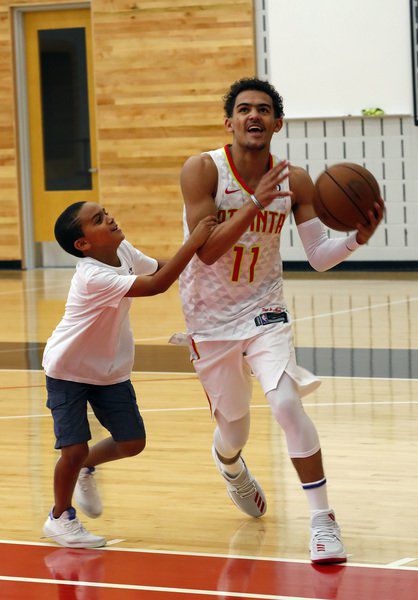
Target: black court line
(337,362)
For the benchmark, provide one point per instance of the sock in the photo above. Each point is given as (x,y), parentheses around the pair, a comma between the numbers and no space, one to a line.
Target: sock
(316,493)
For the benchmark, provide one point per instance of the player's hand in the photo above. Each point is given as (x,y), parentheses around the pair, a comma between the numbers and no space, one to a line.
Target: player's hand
(365,232)
(269,186)
(203,230)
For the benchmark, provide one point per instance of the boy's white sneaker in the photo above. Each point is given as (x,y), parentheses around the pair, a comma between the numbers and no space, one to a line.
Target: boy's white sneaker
(69,532)
(86,495)
(326,545)
(243,489)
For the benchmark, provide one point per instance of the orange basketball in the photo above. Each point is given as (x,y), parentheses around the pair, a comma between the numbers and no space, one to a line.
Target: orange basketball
(345,192)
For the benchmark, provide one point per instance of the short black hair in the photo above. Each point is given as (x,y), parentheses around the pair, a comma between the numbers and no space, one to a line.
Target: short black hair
(68,229)
(252,83)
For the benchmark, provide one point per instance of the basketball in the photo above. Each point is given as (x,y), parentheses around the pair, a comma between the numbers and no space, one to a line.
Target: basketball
(345,192)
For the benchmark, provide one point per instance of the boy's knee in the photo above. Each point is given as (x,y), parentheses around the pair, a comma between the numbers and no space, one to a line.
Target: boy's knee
(75,455)
(131,447)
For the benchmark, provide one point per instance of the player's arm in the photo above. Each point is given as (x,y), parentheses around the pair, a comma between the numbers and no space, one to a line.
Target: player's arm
(168,271)
(322,252)
(199,180)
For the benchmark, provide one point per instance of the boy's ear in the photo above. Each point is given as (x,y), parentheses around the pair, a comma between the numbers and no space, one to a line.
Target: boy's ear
(81,244)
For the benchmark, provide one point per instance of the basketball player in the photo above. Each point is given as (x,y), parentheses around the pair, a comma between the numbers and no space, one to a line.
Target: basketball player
(233,304)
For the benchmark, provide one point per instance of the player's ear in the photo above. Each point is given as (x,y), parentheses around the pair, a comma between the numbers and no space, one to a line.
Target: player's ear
(279,124)
(81,244)
(228,125)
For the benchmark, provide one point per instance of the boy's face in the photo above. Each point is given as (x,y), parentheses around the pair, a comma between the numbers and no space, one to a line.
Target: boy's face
(253,122)
(100,229)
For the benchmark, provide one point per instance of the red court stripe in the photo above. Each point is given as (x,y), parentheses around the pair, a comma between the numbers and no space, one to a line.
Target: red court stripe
(239,575)
(11,590)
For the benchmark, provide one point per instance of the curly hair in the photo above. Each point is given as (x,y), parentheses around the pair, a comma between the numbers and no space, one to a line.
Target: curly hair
(252,83)
(68,229)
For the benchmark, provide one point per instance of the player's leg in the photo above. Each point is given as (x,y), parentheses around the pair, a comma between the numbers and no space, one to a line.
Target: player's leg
(68,403)
(227,382)
(304,451)
(272,359)
(127,439)
(229,440)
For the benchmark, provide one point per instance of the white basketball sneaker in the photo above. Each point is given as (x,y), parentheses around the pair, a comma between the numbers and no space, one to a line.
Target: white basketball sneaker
(243,489)
(86,495)
(326,544)
(69,532)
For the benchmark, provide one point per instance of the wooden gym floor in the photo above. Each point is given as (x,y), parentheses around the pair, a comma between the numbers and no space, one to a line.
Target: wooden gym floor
(173,533)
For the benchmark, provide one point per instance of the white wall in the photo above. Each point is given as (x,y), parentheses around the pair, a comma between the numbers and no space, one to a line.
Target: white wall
(335,57)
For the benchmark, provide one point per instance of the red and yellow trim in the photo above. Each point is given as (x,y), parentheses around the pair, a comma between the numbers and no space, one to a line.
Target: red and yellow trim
(236,175)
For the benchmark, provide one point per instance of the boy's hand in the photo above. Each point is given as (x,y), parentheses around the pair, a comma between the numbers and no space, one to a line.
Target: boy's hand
(203,230)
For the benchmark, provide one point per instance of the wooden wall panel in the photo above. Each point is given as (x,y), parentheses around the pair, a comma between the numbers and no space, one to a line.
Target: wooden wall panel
(161,68)
(9,199)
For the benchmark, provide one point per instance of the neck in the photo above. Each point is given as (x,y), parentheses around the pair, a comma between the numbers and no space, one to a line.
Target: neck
(106,255)
(251,164)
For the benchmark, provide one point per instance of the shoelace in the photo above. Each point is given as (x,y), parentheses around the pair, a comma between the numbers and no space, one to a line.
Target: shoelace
(87,482)
(325,534)
(324,531)
(73,526)
(245,489)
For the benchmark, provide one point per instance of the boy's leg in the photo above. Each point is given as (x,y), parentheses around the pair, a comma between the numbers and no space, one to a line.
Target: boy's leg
(65,476)
(116,408)
(68,403)
(108,449)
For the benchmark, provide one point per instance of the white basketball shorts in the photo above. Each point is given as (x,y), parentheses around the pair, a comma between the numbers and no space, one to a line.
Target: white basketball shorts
(224,369)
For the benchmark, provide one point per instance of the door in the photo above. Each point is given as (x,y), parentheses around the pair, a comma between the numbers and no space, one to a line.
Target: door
(61,114)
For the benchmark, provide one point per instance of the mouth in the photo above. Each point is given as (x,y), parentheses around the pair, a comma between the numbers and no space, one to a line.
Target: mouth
(255,130)
(115,228)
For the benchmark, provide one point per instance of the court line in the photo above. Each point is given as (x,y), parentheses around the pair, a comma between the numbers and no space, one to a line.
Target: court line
(206,408)
(192,375)
(401,561)
(389,566)
(151,588)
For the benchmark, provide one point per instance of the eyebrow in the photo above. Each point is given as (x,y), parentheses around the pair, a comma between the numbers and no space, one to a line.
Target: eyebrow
(260,104)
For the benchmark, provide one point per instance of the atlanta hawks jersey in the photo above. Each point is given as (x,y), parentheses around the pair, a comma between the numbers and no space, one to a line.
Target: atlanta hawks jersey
(221,301)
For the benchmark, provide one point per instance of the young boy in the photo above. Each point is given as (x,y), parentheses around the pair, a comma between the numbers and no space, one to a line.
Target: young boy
(89,358)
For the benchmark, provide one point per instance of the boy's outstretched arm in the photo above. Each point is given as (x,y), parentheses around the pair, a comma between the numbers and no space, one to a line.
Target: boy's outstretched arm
(164,277)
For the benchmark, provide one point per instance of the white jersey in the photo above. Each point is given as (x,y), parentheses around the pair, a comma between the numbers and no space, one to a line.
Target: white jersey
(221,301)
(93,343)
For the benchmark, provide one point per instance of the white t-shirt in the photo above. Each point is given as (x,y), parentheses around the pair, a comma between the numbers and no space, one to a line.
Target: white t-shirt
(94,343)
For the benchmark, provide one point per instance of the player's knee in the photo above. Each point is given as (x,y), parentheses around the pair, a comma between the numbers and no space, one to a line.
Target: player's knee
(131,447)
(287,409)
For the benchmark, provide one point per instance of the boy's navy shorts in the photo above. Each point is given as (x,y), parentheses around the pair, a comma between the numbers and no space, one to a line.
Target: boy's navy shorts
(114,406)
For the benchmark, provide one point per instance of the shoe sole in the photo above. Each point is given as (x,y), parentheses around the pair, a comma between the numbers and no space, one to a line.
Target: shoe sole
(331,560)
(54,538)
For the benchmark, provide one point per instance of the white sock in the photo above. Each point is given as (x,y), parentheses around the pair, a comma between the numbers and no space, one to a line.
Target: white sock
(316,493)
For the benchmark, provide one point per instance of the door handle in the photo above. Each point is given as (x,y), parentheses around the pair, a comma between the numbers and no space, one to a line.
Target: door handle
(93,170)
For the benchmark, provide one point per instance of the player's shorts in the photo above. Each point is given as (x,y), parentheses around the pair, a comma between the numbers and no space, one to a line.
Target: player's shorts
(114,406)
(224,369)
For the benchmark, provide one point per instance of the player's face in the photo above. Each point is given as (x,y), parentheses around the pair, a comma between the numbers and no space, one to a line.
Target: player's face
(99,227)
(253,122)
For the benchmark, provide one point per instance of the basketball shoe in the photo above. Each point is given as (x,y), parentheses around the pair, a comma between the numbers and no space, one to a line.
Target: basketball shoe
(68,531)
(243,489)
(86,495)
(326,544)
